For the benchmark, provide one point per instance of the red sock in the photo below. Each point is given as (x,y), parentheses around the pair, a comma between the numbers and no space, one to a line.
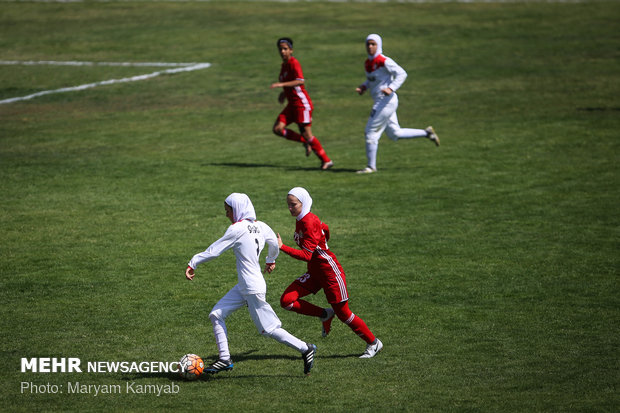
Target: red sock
(306,308)
(356,324)
(290,301)
(316,146)
(293,136)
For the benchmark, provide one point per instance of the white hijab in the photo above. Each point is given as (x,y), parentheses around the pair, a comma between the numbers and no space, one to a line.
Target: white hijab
(305,199)
(377,39)
(242,207)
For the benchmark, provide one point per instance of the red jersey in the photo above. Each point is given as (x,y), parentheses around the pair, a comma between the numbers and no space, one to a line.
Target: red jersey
(297,95)
(324,270)
(373,64)
(311,235)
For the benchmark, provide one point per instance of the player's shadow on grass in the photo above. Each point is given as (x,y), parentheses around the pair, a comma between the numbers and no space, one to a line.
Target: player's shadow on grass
(275,166)
(289,357)
(237,358)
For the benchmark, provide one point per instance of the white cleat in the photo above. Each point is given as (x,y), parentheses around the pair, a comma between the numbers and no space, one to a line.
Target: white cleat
(432,135)
(326,165)
(327,321)
(367,170)
(372,349)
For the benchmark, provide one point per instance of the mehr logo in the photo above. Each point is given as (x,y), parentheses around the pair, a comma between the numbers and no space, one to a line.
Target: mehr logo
(51,365)
(73,365)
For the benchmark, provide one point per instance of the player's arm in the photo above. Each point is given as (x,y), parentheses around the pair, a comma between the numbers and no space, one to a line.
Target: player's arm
(296,73)
(299,254)
(325,229)
(312,236)
(362,88)
(398,75)
(273,248)
(290,83)
(303,254)
(214,250)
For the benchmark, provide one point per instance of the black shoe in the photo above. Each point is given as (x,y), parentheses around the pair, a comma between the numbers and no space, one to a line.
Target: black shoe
(220,365)
(308,357)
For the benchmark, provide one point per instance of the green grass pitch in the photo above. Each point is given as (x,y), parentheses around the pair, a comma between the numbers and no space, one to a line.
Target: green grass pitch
(489,267)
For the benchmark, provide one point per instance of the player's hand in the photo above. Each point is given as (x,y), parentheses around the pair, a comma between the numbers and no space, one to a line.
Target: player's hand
(360,90)
(387,91)
(275,85)
(280,243)
(189,273)
(270,267)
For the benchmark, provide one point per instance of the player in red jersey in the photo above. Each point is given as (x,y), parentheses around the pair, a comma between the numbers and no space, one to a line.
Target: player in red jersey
(299,108)
(324,272)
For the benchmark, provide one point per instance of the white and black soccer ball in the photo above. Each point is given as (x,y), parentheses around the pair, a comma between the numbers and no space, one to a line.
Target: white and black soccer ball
(191,366)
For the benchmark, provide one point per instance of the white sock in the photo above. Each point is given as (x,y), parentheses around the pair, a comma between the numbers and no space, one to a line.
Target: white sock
(221,339)
(371,154)
(407,133)
(284,337)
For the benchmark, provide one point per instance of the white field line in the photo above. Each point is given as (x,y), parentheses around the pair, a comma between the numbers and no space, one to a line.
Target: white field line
(309,1)
(179,67)
(77,63)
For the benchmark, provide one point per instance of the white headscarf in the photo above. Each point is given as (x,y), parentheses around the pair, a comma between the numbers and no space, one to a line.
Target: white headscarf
(242,207)
(305,199)
(377,39)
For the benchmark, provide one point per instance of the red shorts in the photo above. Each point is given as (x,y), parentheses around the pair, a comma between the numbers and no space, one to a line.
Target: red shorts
(325,272)
(293,114)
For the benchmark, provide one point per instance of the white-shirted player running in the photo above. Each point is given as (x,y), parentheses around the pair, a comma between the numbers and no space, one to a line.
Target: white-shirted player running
(383,77)
(247,237)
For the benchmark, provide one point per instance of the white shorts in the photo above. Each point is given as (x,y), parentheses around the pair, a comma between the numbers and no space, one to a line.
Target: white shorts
(382,115)
(263,316)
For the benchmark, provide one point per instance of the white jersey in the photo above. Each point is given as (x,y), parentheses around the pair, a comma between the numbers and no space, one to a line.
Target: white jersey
(383,72)
(247,238)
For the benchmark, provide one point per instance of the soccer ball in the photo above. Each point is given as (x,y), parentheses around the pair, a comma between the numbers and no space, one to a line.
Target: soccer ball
(191,366)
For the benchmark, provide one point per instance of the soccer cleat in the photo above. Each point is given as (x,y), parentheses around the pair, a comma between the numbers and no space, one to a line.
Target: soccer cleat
(327,321)
(432,135)
(308,357)
(367,170)
(308,149)
(372,349)
(326,165)
(220,365)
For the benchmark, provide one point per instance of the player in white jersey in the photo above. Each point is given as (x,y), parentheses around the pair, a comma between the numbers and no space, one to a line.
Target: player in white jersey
(247,237)
(383,77)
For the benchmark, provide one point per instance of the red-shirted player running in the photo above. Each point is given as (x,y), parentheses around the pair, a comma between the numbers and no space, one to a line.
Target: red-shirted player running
(324,272)
(299,108)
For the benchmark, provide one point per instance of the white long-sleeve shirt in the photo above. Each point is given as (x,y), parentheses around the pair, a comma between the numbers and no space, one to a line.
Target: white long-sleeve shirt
(383,72)
(247,238)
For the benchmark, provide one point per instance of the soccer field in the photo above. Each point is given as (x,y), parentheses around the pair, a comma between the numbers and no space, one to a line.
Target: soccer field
(488,266)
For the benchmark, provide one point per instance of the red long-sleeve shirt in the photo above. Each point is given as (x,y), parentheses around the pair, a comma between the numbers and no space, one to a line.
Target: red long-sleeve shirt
(310,234)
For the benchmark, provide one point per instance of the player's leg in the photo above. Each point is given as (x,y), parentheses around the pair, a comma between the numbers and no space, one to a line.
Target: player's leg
(315,145)
(301,287)
(232,301)
(356,324)
(279,127)
(377,122)
(359,327)
(269,325)
(334,285)
(395,132)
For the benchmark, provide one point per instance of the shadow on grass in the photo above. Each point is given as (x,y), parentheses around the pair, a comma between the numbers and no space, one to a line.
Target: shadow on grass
(274,166)
(248,355)
(289,357)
